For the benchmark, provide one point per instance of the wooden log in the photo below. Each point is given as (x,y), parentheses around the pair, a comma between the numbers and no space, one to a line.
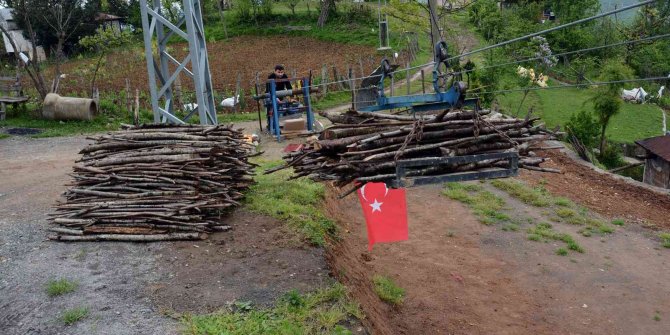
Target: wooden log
(131,238)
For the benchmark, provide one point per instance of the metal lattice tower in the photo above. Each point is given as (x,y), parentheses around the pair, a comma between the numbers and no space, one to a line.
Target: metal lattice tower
(156,24)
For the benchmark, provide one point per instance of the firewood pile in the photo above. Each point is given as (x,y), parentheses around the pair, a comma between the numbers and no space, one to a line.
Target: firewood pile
(365,146)
(154,183)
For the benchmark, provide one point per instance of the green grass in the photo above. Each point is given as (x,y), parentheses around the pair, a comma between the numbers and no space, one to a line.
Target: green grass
(618,222)
(240,117)
(563,202)
(74,315)
(319,312)
(56,287)
(486,205)
(561,252)
(297,202)
(510,227)
(545,231)
(555,107)
(105,121)
(3,135)
(332,99)
(657,316)
(387,290)
(535,197)
(665,237)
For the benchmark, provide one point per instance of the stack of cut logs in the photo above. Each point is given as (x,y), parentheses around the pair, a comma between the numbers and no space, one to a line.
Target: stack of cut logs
(366,146)
(155,183)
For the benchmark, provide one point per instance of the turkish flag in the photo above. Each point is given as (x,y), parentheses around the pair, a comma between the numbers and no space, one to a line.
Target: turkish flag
(385,213)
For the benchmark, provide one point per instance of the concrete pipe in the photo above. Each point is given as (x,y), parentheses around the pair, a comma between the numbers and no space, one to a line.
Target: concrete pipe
(67,108)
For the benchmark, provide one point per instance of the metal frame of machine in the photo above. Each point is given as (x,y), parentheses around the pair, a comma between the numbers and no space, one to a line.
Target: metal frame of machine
(442,99)
(454,97)
(272,96)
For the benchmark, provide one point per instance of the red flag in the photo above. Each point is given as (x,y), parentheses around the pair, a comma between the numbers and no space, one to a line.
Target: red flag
(385,213)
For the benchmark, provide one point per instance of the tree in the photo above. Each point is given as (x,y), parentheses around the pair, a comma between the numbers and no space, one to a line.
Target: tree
(32,67)
(327,8)
(291,4)
(606,101)
(101,43)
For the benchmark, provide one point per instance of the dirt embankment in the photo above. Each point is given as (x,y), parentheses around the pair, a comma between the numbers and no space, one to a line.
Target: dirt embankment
(610,197)
(451,285)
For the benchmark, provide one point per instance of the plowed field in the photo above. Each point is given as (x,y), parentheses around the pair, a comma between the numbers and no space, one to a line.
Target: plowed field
(245,55)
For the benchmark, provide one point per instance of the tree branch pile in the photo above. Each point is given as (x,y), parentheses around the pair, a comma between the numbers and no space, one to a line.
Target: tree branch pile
(365,146)
(154,183)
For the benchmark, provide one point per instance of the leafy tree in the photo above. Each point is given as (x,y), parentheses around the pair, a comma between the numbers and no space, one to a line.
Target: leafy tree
(58,24)
(584,127)
(606,102)
(101,43)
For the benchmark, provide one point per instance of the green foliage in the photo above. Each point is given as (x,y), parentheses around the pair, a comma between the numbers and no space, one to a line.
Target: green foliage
(387,290)
(546,231)
(319,312)
(56,287)
(561,252)
(665,238)
(486,205)
(535,197)
(618,222)
(611,157)
(584,127)
(105,39)
(298,202)
(74,315)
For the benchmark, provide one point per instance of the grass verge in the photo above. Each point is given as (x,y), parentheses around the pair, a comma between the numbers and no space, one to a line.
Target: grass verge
(74,315)
(486,205)
(532,196)
(387,290)
(665,238)
(544,231)
(324,311)
(295,201)
(56,287)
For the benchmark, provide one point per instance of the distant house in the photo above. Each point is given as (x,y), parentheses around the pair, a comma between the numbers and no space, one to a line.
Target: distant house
(109,21)
(22,43)
(657,162)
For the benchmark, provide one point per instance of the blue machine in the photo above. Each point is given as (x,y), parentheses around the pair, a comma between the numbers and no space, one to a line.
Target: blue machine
(371,98)
(454,97)
(280,110)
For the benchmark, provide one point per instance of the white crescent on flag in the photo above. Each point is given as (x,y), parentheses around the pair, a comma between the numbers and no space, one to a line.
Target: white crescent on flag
(386,191)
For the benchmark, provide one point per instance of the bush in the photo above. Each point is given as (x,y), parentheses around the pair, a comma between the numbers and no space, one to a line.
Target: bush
(611,157)
(584,127)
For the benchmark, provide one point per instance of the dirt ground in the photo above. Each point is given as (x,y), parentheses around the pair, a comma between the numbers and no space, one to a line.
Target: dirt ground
(128,288)
(611,197)
(463,277)
(243,56)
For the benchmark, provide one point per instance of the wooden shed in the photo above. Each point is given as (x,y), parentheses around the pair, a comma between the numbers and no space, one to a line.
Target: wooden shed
(657,161)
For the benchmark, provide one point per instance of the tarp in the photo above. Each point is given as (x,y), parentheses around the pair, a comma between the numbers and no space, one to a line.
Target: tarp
(636,94)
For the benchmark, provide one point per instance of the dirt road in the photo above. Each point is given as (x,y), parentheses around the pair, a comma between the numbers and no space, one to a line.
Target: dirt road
(463,277)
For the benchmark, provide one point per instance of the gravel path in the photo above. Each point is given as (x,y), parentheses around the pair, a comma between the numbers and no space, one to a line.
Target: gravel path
(111,277)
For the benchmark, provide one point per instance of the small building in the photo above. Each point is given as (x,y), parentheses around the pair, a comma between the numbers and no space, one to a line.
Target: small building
(109,21)
(657,161)
(23,44)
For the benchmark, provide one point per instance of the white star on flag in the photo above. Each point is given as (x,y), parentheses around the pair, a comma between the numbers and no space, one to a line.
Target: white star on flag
(376,206)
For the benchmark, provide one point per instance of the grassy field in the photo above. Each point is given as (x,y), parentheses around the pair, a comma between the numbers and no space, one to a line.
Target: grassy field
(555,106)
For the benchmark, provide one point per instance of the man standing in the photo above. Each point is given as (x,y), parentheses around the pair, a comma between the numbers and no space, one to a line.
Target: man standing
(281,83)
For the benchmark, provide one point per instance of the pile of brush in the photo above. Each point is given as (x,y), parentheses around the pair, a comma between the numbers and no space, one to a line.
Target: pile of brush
(155,183)
(365,147)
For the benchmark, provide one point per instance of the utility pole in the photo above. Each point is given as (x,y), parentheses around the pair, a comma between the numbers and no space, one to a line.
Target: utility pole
(434,28)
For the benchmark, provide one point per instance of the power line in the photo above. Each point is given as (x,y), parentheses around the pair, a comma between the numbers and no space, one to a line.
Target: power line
(650,38)
(521,38)
(573,85)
